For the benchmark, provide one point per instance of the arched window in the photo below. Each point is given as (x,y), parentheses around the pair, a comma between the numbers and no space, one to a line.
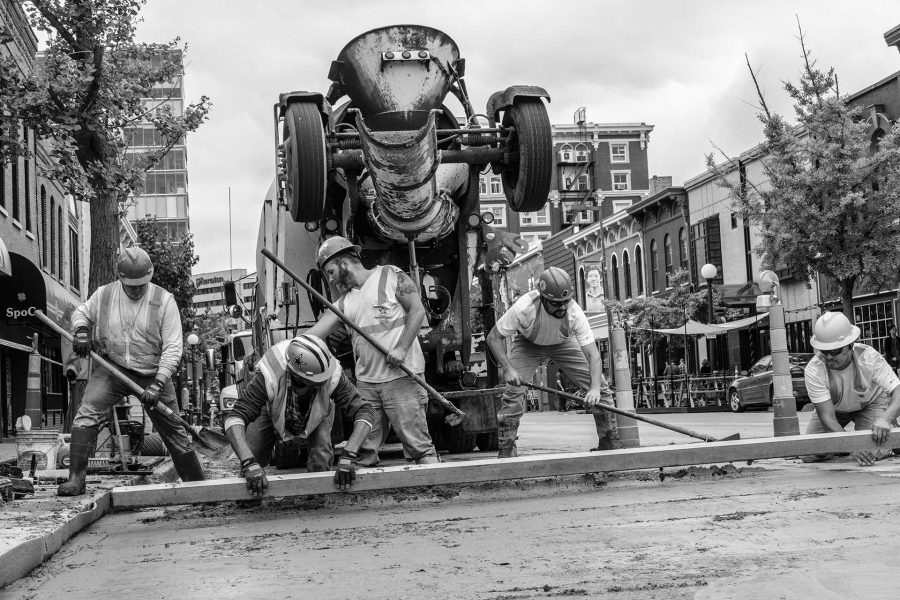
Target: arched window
(52,248)
(589,248)
(60,236)
(667,248)
(565,153)
(654,266)
(626,268)
(682,248)
(44,228)
(581,153)
(639,269)
(615,277)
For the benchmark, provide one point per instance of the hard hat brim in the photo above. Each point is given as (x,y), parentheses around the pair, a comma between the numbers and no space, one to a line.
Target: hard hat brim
(353,248)
(138,281)
(320,377)
(844,341)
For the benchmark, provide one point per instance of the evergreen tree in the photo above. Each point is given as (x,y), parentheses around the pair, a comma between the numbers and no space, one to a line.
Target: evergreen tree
(832,201)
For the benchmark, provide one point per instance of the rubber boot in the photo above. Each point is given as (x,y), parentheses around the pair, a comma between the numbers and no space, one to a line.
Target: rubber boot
(506,437)
(607,431)
(81,445)
(188,467)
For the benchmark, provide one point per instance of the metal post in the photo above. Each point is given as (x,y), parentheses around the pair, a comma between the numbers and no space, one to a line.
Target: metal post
(784,421)
(628,430)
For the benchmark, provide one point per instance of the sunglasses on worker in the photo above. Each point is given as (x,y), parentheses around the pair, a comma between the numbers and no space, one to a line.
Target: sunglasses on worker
(557,303)
(835,352)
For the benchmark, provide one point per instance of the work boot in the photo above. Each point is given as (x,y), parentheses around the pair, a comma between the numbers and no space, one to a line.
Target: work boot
(430,459)
(607,431)
(188,466)
(506,437)
(81,445)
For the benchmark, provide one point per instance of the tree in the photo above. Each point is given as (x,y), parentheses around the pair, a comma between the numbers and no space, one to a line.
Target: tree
(172,263)
(88,89)
(832,203)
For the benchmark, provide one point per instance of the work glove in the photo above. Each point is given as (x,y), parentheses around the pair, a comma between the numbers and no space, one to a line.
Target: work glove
(81,342)
(152,393)
(255,476)
(345,474)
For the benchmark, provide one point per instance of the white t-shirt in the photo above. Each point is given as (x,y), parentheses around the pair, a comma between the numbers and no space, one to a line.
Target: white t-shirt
(528,318)
(857,385)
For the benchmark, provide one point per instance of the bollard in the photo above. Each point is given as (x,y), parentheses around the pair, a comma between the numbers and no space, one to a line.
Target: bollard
(784,406)
(33,395)
(628,429)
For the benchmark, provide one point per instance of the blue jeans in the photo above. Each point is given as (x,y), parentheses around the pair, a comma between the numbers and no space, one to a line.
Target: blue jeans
(400,404)
(104,389)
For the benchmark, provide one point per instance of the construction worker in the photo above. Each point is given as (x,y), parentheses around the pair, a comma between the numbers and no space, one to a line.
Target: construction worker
(848,381)
(385,303)
(546,323)
(293,394)
(137,327)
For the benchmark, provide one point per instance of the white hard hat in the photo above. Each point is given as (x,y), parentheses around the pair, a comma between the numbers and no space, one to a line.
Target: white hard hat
(833,330)
(309,358)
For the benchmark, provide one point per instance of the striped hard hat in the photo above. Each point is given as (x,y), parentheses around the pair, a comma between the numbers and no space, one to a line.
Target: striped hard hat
(555,284)
(309,358)
(134,267)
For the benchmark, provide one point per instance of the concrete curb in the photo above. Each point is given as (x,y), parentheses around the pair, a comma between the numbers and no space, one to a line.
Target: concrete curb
(27,556)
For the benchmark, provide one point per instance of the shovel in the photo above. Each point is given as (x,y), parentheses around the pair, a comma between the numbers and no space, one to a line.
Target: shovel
(625,413)
(205,441)
(452,419)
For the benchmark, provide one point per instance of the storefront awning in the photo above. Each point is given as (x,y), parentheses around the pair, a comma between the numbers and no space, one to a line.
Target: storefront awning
(696,328)
(5,264)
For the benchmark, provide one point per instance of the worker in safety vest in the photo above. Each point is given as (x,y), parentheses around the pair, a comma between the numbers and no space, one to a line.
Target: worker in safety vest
(293,394)
(384,302)
(543,324)
(848,381)
(137,327)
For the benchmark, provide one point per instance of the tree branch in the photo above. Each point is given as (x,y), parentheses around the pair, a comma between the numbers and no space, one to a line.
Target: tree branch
(759,93)
(53,19)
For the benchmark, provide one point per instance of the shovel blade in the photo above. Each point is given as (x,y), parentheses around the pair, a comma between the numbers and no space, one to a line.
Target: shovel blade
(210,444)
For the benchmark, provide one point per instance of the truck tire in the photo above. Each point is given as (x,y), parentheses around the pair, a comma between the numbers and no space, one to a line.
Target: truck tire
(526,182)
(305,162)
(487,442)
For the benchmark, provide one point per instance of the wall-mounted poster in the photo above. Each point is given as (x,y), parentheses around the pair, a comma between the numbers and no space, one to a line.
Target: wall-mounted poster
(593,288)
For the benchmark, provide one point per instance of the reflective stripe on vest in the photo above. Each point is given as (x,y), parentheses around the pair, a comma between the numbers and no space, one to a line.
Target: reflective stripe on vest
(532,333)
(146,335)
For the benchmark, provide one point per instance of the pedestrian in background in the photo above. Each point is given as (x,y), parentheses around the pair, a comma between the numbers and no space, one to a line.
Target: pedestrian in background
(892,349)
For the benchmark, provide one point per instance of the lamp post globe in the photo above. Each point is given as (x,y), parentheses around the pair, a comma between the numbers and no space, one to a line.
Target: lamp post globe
(192,339)
(709,272)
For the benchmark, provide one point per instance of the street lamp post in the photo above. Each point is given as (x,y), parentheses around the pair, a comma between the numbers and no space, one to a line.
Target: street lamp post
(193,340)
(709,272)
(784,405)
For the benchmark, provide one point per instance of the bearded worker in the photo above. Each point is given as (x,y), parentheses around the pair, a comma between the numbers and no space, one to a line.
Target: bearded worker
(385,303)
(297,388)
(849,382)
(135,325)
(547,324)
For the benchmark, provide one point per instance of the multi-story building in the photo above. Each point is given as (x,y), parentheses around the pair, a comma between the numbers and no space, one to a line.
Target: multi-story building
(210,294)
(165,191)
(41,260)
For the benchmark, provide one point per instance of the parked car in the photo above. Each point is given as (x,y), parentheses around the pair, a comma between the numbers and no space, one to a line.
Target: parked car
(755,388)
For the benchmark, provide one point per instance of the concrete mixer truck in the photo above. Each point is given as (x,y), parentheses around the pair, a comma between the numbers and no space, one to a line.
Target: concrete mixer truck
(382,160)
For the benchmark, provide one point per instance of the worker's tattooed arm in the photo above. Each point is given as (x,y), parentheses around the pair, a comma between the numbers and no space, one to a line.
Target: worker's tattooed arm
(408,296)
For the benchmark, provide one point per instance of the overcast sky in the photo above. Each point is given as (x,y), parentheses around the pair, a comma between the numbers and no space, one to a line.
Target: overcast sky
(678,66)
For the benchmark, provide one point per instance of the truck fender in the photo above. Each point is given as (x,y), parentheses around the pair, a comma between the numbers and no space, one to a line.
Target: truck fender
(312,97)
(506,98)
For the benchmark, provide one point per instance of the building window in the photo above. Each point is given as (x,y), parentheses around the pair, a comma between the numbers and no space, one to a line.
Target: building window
(482,185)
(626,269)
(798,335)
(874,321)
(52,247)
(571,216)
(584,182)
(619,205)
(3,185)
(60,246)
(565,153)
(707,244)
(44,228)
(667,249)
(16,213)
(639,269)
(581,154)
(654,266)
(682,248)
(74,263)
(541,217)
(533,238)
(618,153)
(734,220)
(496,185)
(499,213)
(615,277)
(28,226)
(621,180)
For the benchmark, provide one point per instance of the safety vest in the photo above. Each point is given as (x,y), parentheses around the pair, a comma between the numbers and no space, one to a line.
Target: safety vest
(533,332)
(374,309)
(273,366)
(858,396)
(137,344)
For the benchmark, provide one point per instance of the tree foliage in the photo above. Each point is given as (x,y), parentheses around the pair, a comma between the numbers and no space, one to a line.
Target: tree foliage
(172,263)
(89,86)
(832,200)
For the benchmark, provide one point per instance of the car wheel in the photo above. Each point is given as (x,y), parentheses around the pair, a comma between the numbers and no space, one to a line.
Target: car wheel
(734,401)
